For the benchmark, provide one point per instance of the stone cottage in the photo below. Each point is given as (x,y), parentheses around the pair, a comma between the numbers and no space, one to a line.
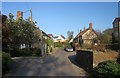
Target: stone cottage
(86,37)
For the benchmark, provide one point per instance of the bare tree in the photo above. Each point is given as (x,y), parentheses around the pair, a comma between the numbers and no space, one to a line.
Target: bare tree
(70,35)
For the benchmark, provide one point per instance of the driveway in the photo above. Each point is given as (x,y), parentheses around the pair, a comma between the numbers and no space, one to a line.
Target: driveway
(59,63)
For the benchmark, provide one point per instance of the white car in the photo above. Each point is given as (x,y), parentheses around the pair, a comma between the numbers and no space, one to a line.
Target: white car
(69,49)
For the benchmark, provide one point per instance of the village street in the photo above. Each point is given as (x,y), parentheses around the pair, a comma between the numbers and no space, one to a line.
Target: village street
(59,63)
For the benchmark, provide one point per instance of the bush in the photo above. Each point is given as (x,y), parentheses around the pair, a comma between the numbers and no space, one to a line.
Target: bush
(5,60)
(26,52)
(108,68)
(118,58)
(15,52)
(58,44)
(35,51)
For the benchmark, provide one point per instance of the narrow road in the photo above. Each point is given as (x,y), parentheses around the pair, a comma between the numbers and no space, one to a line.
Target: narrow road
(59,63)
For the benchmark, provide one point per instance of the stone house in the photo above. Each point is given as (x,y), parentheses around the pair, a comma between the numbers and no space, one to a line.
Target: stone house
(86,37)
(116,30)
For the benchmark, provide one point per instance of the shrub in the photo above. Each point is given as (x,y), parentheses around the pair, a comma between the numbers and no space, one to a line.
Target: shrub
(5,60)
(118,58)
(35,52)
(15,52)
(26,52)
(108,68)
(58,44)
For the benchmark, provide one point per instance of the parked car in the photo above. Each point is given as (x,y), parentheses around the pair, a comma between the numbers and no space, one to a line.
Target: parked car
(69,49)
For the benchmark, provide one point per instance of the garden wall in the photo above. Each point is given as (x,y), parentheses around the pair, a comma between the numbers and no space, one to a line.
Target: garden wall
(85,59)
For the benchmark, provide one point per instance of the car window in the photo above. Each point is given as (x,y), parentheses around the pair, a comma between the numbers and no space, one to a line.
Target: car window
(70,47)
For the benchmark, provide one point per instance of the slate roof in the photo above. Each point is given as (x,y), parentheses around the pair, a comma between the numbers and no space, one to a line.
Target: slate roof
(117,19)
(56,36)
(62,36)
(45,34)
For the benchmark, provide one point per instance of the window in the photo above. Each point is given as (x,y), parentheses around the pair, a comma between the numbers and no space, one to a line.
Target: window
(116,24)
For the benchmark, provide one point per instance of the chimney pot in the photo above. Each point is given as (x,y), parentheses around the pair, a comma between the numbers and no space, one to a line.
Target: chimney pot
(80,31)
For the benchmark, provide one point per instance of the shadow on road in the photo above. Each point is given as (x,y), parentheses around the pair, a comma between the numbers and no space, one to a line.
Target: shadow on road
(38,66)
(72,59)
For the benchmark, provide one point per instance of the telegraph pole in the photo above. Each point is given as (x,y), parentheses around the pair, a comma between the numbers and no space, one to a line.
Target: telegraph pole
(31,14)
(118,36)
(119,25)
(30,18)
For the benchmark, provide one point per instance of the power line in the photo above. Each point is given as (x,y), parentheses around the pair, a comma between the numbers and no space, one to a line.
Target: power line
(26,11)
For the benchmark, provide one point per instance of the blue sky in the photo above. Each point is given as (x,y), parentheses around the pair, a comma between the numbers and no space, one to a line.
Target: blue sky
(58,18)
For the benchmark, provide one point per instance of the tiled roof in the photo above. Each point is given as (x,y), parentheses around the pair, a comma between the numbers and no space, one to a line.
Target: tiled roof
(84,31)
(50,35)
(56,36)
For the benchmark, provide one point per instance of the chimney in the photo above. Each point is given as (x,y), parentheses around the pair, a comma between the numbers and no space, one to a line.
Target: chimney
(19,14)
(90,26)
(80,31)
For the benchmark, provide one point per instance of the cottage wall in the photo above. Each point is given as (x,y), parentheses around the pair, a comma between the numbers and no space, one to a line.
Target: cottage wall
(88,38)
(89,35)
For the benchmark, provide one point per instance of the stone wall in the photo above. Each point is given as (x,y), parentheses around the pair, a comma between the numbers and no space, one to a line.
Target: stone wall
(85,59)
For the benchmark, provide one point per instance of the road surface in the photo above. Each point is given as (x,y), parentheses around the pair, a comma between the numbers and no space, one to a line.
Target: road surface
(59,63)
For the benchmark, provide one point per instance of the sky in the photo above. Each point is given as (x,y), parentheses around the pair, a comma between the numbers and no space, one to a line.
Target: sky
(59,17)
(60,0)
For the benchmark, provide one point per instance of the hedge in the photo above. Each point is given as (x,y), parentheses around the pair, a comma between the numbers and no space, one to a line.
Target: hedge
(5,60)
(26,52)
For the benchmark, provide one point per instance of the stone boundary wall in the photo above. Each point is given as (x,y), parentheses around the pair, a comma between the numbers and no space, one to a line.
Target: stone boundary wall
(85,59)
